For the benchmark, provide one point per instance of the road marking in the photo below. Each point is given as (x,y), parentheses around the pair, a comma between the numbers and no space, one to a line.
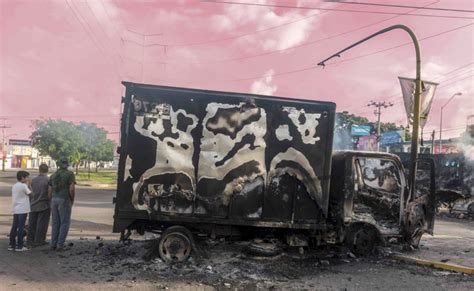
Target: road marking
(436,264)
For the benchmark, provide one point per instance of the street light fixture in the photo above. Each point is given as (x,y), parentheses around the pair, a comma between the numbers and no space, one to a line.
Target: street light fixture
(416,96)
(441,120)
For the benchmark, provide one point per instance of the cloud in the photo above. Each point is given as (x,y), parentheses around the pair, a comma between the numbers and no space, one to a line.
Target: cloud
(259,18)
(107,14)
(263,86)
(72,103)
(114,110)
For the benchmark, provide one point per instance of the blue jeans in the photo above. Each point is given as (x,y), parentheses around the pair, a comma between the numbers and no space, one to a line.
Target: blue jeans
(61,216)
(17,230)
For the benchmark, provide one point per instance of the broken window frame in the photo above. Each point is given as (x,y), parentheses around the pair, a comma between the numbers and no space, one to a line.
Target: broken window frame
(357,176)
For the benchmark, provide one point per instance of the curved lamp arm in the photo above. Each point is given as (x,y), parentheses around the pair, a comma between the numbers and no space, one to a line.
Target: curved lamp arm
(416,107)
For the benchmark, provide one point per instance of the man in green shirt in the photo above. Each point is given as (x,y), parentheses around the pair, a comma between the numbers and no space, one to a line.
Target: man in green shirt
(61,191)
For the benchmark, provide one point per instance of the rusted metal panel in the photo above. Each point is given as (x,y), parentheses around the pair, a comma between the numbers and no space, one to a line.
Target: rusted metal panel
(224,156)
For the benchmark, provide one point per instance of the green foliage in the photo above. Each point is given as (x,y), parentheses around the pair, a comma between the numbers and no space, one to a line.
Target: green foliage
(57,138)
(344,122)
(106,177)
(97,147)
(85,141)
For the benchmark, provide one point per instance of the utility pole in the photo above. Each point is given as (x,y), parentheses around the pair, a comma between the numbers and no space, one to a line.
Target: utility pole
(378,112)
(441,121)
(143,45)
(433,141)
(3,127)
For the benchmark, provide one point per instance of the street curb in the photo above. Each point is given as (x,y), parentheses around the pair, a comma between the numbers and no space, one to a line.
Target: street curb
(435,264)
(92,185)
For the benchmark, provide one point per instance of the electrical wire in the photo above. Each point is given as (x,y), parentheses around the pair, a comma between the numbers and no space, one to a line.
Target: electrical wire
(89,34)
(305,43)
(397,95)
(399,6)
(400,45)
(335,9)
(351,59)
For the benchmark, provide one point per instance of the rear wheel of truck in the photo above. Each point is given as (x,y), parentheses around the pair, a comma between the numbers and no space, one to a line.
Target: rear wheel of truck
(361,239)
(175,245)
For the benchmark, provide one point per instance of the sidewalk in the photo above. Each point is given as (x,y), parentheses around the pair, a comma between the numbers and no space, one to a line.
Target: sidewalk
(451,245)
(92,184)
(9,178)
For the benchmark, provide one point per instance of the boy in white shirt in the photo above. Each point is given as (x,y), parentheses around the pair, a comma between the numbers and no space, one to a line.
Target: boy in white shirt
(21,207)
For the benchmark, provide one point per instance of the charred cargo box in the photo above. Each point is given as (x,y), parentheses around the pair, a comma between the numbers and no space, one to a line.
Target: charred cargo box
(192,156)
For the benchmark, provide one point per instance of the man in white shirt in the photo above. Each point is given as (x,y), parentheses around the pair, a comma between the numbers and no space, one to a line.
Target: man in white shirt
(21,207)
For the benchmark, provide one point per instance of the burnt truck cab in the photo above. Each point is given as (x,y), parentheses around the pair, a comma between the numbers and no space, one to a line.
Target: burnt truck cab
(370,198)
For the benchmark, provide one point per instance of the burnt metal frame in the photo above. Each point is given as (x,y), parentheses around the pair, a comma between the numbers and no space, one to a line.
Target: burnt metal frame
(398,164)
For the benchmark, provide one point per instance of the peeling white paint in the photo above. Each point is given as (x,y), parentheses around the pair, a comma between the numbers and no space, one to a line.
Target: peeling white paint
(307,129)
(214,147)
(128,166)
(312,183)
(283,133)
(170,157)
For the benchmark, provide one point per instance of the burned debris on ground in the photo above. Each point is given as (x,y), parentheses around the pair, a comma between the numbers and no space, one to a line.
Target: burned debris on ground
(224,263)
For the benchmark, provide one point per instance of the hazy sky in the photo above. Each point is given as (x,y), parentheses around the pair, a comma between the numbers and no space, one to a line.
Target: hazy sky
(66,58)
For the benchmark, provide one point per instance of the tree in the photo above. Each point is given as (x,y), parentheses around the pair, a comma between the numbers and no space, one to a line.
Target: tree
(57,138)
(79,143)
(97,147)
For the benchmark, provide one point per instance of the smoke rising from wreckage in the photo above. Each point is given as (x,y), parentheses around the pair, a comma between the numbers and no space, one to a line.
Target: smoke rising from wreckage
(240,165)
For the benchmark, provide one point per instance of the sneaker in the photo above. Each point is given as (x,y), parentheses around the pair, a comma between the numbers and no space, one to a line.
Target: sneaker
(53,248)
(10,248)
(23,249)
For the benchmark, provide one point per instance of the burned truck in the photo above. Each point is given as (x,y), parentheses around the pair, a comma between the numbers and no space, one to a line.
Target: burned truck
(454,180)
(196,163)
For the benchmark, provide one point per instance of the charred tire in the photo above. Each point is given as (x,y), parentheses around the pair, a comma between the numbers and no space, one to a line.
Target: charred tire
(175,245)
(362,239)
(418,232)
(263,249)
(470,209)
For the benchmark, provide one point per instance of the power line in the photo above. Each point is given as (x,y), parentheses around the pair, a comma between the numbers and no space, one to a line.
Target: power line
(102,29)
(400,45)
(401,6)
(306,43)
(440,76)
(456,81)
(245,34)
(395,95)
(89,34)
(295,46)
(350,59)
(335,9)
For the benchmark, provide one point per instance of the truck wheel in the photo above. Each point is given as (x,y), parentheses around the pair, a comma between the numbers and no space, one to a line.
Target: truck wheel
(470,209)
(175,244)
(263,249)
(417,234)
(361,239)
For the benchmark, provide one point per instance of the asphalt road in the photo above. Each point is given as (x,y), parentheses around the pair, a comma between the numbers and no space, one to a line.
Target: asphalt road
(106,264)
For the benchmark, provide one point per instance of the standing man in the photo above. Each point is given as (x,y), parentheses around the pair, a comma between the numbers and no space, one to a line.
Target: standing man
(40,209)
(62,191)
